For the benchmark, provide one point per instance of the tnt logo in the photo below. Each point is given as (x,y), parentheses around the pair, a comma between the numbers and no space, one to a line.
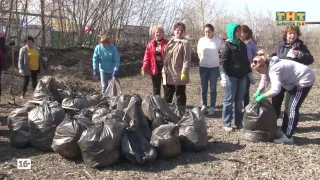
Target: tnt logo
(291,18)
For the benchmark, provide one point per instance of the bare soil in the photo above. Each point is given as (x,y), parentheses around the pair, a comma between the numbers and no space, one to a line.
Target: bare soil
(228,156)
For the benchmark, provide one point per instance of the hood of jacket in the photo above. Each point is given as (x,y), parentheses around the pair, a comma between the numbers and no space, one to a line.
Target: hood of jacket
(230,32)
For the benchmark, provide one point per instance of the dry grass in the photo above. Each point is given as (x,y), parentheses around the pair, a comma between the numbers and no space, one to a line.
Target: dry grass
(227,157)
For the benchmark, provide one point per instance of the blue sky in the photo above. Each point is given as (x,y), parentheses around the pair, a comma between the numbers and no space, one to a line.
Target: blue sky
(309,6)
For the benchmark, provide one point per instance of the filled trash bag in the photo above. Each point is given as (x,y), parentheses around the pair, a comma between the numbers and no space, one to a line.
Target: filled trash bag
(193,131)
(47,89)
(93,100)
(19,128)
(166,140)
(123,101)
(43,121)
(65,141)
(76,103)
(134,111)
(100,144)
(99,115)
(158,111)
(29,106)
(113,89)
(260,119)
(178,110)
(135,147)
(65,94)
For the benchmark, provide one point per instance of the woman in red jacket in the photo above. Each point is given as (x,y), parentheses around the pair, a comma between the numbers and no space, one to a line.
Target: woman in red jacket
(153,58)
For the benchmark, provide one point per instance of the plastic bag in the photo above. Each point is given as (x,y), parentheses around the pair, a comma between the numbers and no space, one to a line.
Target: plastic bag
(100,144)
(166,140)
(158,111)
(65,141)
(47,89)
(43,121)
(260,117)
(29,106)
(77,103)
(65,94)
(134,111)
(178,110)
(93,100)
(123,101)
(113,89)
(19,128)
(135,147)
(193,131)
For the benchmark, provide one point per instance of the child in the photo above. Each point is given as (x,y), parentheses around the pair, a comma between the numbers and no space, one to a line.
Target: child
(294,77)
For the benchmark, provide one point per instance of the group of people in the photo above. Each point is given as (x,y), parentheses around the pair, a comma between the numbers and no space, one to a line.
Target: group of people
(233,60)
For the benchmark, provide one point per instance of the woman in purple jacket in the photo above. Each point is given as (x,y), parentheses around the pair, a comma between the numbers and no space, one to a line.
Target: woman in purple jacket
(247,38)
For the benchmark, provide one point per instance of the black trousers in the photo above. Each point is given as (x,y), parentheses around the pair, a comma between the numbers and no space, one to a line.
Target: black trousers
(34,76)
(293,102)
(277,101)
(179,90)
(156,80)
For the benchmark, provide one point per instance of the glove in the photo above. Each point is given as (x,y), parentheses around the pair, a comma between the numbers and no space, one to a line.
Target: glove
(183,77)
(256,94)
(251,78)
(115,74)
(143,73)
(260,97)
(21,72)
(223,81)
(95,73)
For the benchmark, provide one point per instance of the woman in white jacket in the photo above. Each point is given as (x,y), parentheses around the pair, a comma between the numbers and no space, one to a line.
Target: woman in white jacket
(208,48)
(296,78)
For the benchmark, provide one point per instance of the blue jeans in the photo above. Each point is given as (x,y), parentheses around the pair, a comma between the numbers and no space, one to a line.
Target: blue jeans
(206,75)
(233,94)
(105,77)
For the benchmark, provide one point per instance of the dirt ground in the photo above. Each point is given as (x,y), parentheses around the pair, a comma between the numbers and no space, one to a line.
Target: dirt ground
(228,156)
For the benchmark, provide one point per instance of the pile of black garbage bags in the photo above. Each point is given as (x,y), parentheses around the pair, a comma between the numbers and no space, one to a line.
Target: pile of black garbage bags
(103,130)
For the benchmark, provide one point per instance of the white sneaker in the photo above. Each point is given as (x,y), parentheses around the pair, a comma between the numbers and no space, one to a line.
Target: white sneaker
(212,111)
(228,129)
(204,109)
(284,140)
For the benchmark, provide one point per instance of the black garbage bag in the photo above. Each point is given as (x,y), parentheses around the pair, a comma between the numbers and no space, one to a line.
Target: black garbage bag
(178,109)
(43,121)
(135,147)
(193,131)
(93,100)
(113,89)
(99,115)
(154,104)
(116,115)
(166,140)
(134,111)
(260,119)
(29,106)
(100,144)
(77,103)
(19,128)
(65,141)
(47,89)
(65,94)
(123,101)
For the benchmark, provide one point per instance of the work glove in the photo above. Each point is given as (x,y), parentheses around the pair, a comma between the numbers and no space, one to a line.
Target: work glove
(21,72)
(115,74)
(224,79)
(143,73)
(251,78)
(260,97)
(183,77)
(95,73)
(256,94)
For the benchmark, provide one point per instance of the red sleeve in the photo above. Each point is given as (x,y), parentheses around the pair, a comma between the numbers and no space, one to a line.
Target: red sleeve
(146,66)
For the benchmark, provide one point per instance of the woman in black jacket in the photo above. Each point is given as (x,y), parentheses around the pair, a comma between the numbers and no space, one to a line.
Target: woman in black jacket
(292,48)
